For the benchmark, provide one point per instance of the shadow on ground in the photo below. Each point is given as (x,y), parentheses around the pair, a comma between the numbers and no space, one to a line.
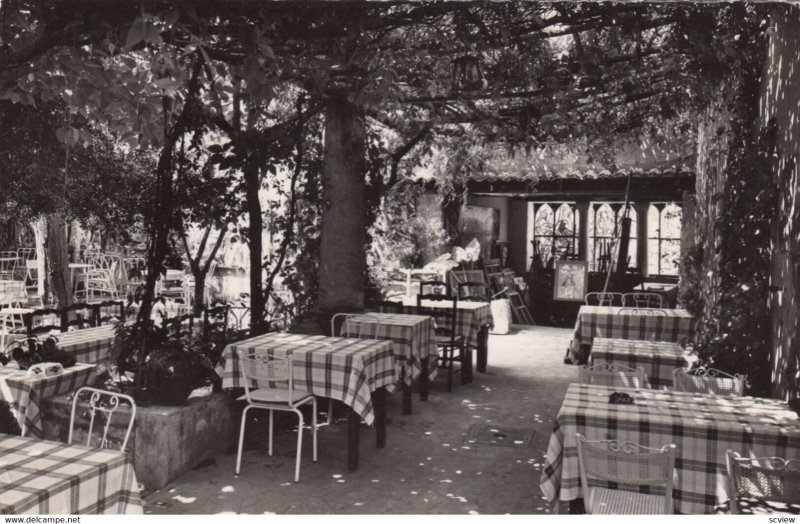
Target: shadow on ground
(429,465)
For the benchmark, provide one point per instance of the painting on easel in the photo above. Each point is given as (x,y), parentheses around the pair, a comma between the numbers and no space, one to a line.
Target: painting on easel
(571,280)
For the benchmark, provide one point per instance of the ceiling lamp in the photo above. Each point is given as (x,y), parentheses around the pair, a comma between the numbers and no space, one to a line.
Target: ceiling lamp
(467,74)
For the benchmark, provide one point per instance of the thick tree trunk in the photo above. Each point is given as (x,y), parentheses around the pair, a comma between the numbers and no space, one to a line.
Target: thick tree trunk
(451,213)
(252,180)
(199,293)
(58,260)
(40,239)
(342,252)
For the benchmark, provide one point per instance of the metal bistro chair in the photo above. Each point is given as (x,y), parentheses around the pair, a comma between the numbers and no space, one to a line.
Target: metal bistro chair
(708,380)
(628,465)
(613,375)
(106,403)
(466,291)
(643,300)
(265,371)
(604,299)
(433,286)
(762,482)
(451,345)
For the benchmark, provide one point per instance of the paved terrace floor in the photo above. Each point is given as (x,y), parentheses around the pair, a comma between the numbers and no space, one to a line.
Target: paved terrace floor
(427,466)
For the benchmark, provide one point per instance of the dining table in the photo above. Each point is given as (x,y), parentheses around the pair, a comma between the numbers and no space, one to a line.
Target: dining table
(413,339)
(701,426)
(356,372)
(89,345)
(43,477)
(656,324)
(658,359)
(25,392)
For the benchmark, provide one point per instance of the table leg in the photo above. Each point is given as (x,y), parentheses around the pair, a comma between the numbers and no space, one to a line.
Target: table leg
(483,348)
(466,365)
(424,380)
(379,405)
(353,434)
(406,393)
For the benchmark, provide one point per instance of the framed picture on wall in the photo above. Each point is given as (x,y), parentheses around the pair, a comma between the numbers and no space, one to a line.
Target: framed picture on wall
(571,280)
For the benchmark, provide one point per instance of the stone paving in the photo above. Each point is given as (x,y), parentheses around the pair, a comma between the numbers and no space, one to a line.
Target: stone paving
(428,465)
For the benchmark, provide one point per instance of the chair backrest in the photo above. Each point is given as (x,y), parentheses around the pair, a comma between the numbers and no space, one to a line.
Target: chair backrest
(433,285)
(106,403)
(103,316)
(474,291)
(26,253)
(614,375)
(603,299)
(636,312)
(627,464)
(12,292)
(771,479)
(708,380)
(44,320)
(85,316)
(264,371)
(642,300)
(444,316)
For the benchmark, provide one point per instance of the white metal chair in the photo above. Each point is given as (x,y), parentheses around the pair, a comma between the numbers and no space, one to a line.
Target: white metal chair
(604,299)
(268,373)
(763,482)
(708,380)
(636,312)
(643,300)
(103,279)
(630,466)
(613,375)
(107,403)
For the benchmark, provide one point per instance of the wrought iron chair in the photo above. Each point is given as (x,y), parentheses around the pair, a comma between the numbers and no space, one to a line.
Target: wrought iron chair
(466,291)
(8,264)
(268,372)
(433,286)
(451,345)
(106,403)
(614,375)
(612,472)
(643,300)
(708,380)
(763,482)
(604,299)
(636,312)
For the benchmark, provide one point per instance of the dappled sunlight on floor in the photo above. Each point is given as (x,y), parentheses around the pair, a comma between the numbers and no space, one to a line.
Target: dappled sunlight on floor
(432,463)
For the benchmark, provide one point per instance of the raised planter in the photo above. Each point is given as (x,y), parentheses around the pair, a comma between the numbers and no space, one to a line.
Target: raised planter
(166,442)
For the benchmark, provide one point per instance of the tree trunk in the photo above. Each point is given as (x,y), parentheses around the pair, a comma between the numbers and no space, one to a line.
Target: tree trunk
(252,180)
(342,252)
(451,213)
(58,260)
(199,292)
(40,240)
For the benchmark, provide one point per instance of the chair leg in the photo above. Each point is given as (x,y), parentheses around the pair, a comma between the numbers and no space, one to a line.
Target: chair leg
(450,369)
(241,439)
(299,445)
(271,413)
(314,426)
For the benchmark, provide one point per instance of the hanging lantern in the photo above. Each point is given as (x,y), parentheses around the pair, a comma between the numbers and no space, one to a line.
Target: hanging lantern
(467,74)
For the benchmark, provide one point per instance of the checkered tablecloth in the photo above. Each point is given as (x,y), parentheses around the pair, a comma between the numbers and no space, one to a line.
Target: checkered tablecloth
(344,369)
(52,478)
(24,393)
(470,316)
(88,345)
(412,336)
(701,426)
(659,359)
(606,322)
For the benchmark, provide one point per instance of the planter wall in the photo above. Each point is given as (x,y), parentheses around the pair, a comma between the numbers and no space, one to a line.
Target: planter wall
(166,441)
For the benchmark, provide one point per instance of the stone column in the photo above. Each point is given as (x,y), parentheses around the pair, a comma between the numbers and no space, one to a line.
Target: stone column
(641,209)
(583,229)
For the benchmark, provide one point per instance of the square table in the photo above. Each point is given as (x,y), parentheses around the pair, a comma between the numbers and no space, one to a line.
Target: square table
(413,339)
(659,359)
(89,345)
(674,325)
(24,393)
(53,478)
(702,427)
(354,371)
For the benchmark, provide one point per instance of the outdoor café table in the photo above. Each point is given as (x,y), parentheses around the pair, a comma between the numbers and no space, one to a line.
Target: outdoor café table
(88,345)
(659,359)
(354,371)
(472,319)
(53,478)
(24,393)
(702,427)
(674,325)
(413,344)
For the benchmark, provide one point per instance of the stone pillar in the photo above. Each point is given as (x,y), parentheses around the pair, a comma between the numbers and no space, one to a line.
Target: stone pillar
(641,209)
(583,229)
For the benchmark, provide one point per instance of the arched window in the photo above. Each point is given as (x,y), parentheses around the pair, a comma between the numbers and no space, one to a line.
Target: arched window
(604,224)
(664,238)
(555,231)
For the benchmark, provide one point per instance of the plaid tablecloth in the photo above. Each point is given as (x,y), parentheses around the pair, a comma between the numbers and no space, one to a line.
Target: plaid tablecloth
(470,316)
(88,345)
(701,426)
(345,369)
(659,359)
(412,336)
(53,478)
(606,322)
(24,393)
